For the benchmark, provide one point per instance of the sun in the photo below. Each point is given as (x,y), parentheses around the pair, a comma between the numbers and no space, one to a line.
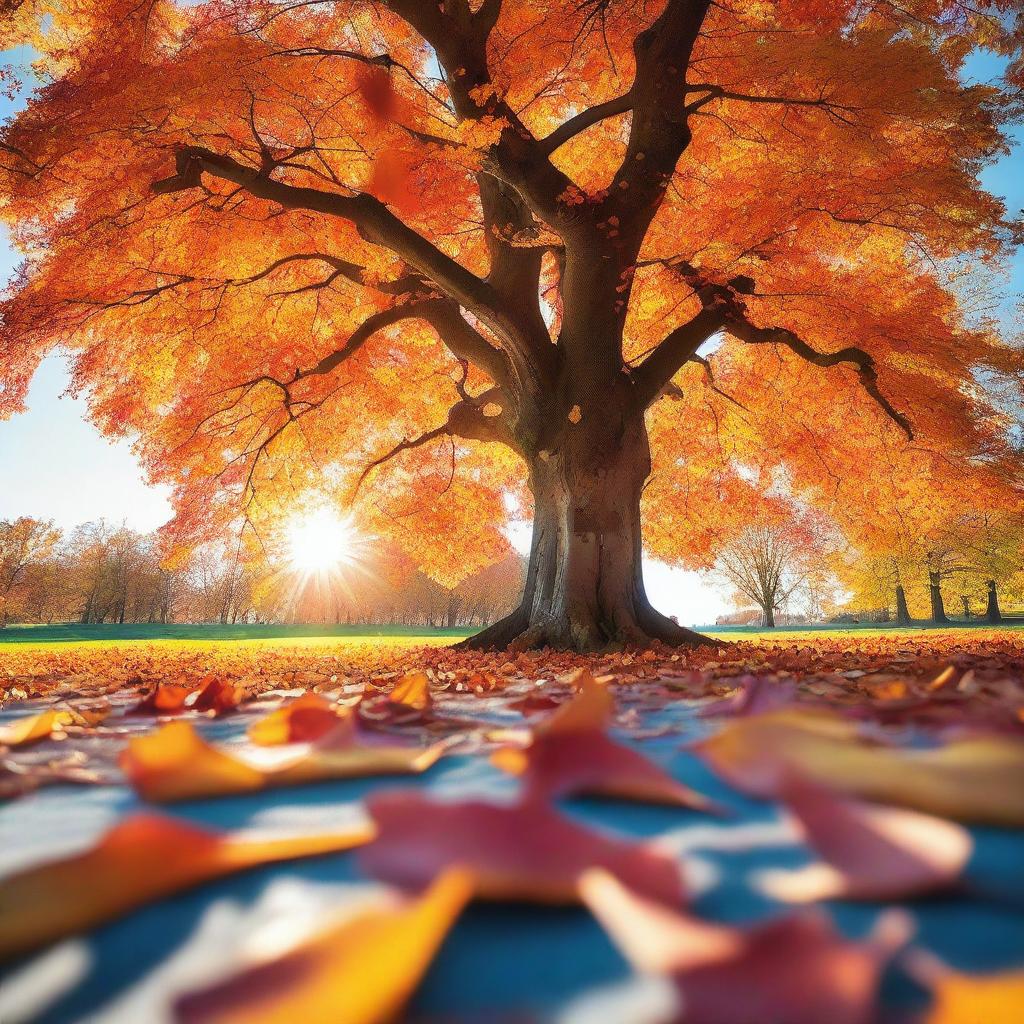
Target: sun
(321,540)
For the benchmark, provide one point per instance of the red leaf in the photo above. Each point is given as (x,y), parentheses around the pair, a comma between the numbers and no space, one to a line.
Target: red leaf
(525,851)
(796,969)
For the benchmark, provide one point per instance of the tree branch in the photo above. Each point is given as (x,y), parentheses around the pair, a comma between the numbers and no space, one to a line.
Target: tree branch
(468,418)
(678,347)
(372,219)
(742,328)
(585,119)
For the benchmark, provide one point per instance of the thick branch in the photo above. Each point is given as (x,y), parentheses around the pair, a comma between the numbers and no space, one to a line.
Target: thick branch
(374,221)
(659,132)
(585,119)
(678,347)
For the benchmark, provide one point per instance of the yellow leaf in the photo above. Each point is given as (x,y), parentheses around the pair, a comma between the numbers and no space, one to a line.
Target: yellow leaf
(362,971)
(175,763)
(977,780)
(31,728)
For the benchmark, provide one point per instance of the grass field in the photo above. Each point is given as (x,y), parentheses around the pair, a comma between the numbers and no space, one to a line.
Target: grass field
(201,635)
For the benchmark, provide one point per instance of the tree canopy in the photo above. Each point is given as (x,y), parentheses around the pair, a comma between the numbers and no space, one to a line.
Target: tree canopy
(431,258)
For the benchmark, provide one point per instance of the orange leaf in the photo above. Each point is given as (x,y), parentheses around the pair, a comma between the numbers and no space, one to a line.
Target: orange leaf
(968,998)
(304,720)
(175,763)
(412,690)
(362,971)
(31,728)
(144,858)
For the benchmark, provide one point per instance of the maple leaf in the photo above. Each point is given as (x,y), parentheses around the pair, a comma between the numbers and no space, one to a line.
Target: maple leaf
(870,852)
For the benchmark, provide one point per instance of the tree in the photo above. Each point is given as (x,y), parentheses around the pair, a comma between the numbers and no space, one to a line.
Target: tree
(768,562)
(24,544)
(427,252)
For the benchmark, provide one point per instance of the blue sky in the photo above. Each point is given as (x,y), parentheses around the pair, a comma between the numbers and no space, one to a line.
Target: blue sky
(56,465)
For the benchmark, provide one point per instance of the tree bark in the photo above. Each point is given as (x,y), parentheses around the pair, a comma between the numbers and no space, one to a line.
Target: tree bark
(584,586)
(992,612)
(935,591)
(902,611)
(768,617)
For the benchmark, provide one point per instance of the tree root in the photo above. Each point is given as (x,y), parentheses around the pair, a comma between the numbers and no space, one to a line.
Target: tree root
(515,632)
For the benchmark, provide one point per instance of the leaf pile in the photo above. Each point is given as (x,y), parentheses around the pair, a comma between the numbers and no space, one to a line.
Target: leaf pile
(882,820)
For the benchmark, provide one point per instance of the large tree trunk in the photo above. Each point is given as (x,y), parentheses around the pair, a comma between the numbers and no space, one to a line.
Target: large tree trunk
(584,586)
(902,611)
(935,591)
(768,617)
(992,612)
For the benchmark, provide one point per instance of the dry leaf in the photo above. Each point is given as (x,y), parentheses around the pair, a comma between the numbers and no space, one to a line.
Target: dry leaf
(175,763)
(522,852)
(361,971)
(144,858)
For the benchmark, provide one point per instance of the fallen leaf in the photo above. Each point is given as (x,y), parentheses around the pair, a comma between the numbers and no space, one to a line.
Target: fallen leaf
(754,695)
(995,998)
(216,695)
(796,969)
(412,690)
(524,851)
(211,694)
(144,858)
(361,971)
(305,720)
(32,728)
(570,754)
(980,779)
(166,699)
(175,763)
(869,852)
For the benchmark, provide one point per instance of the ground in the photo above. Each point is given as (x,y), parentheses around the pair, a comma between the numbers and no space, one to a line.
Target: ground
(911,689)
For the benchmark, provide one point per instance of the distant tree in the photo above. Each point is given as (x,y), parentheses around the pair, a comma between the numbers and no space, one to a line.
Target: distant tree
(768,563)
(24,543)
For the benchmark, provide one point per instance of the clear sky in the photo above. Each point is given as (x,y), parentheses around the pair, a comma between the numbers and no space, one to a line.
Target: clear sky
(54,464)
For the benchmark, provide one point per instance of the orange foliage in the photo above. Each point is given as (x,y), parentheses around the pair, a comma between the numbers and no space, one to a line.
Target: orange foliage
(283,327)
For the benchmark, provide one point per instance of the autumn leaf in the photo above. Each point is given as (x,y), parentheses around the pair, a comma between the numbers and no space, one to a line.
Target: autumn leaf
(959,998)
(213,693)
(869,851)
(307,719)
(30,728)
(524,851)
(980,779)
(145,857)
(794,969)
(175,763)
(569,753)
(361,971)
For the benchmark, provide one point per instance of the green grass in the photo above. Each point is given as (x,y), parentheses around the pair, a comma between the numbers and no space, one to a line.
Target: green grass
(387,635)
(76,633)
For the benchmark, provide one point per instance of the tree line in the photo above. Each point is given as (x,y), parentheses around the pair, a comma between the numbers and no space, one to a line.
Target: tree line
(106,573)
(793,565)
